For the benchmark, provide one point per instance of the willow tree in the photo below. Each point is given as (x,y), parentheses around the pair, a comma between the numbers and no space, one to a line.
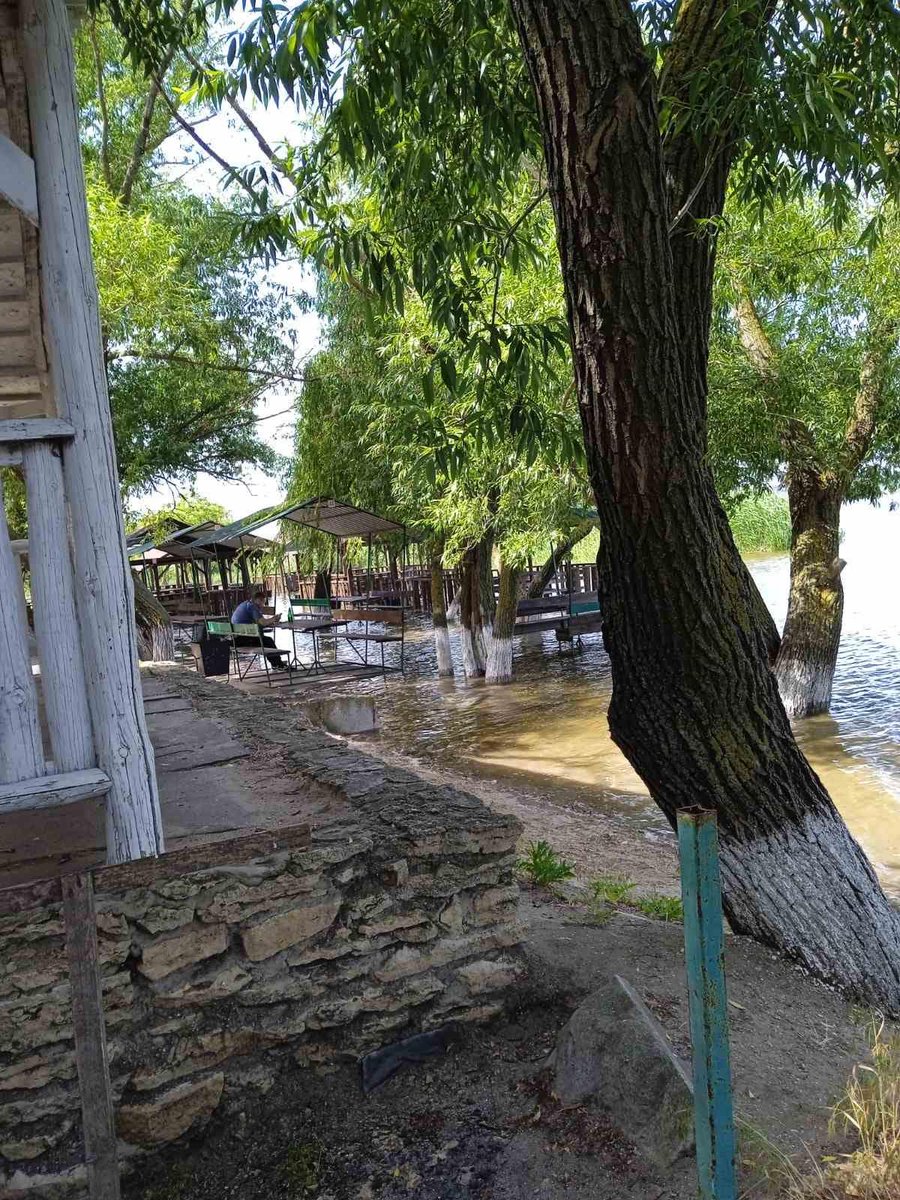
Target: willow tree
(636,118)
(804,382)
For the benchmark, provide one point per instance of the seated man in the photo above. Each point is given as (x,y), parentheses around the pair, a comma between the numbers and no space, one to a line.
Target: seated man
(248,612)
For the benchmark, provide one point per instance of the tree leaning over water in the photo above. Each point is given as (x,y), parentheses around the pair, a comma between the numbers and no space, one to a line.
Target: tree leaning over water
(643,113)
(804,382)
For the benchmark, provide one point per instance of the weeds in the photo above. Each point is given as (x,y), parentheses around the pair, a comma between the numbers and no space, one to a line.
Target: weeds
(612,888)
(543,866)
(302,1168)
(660,908)
(870,1110)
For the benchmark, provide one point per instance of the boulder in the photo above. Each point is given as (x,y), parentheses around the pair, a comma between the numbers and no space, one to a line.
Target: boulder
(613,1052)
(168,1116)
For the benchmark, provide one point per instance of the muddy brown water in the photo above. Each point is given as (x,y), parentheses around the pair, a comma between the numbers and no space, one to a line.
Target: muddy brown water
(548,729)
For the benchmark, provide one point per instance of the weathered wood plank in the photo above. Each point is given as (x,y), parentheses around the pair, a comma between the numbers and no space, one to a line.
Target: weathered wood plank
(10,458)
(56,624)
(17,182)
(98,1123)
(26,896)
(22,380)
(51,791)
(36,429)
(103,585)
(21,750)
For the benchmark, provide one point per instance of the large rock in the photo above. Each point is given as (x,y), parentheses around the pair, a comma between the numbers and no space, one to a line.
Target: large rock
(168,1116)
(286,929)
(613,1051)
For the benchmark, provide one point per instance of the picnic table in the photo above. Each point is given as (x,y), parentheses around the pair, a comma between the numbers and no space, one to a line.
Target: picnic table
(312,625)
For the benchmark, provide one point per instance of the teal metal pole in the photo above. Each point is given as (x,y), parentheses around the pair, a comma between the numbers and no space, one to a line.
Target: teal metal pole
(704,947)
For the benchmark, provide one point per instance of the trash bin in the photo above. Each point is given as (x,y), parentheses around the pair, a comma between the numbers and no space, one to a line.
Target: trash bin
(212,656)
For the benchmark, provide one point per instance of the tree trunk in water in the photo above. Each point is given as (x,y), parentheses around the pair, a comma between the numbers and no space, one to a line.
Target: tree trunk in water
(695,707)
(473,667)
(805,664)
(499,663)
(483,601)
(550,567)
(439,616)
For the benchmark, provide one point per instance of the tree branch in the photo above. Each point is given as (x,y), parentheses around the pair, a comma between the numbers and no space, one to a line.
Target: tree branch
(140,142)
(188,361)
(242,113)
(104,110)
(869,396)
(205,146)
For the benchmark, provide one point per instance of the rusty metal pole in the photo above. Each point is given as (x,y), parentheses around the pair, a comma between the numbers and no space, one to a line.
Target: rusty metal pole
(704,947)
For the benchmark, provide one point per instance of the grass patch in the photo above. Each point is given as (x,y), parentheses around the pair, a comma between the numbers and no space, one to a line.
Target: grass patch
(612,888)
(869,1109)
(302,1168)
(543,866)
(761,524)
(660,908)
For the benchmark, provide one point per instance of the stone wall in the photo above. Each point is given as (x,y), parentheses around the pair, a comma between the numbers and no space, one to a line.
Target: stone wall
(225,963)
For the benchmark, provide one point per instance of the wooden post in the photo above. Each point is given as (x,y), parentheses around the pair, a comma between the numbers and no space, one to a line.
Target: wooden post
(98,1124)
(103,587)
(704,945)
(21,750)
(55,619)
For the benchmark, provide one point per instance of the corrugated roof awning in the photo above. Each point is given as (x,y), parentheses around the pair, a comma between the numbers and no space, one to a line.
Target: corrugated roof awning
(334,517)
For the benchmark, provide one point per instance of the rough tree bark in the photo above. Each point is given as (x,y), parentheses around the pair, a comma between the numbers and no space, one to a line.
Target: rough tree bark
(483,601)
(695,707)
(806,660)
(500,655)
(439,614)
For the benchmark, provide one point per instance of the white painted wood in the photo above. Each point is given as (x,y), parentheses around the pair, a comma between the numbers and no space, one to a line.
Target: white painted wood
(51,791)
(36,429)
(17,179)
(19,545)
(56,624)
(103,590)
(21,751)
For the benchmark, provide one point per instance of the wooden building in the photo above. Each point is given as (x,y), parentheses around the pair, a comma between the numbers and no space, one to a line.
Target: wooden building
(82,731)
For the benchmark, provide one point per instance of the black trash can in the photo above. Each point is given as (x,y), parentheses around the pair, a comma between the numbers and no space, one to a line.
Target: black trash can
(212,655)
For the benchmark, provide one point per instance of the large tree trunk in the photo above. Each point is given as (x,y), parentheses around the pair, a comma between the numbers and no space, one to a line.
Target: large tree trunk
(499,663)
(695,707)
(806,660)
(550,567)
(439,615)
(156,641)
(483,601)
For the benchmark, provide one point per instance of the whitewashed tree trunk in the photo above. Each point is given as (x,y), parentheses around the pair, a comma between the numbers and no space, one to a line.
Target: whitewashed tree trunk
(500,653)
(72,332)
(439,617)
(55,620)
(21,750)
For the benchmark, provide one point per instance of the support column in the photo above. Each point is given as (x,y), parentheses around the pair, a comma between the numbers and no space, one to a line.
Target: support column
(103,587)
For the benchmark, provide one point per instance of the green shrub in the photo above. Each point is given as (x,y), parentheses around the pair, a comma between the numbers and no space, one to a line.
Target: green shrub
(543,866)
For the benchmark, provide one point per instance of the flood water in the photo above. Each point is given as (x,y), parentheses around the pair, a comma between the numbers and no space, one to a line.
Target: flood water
(549,727)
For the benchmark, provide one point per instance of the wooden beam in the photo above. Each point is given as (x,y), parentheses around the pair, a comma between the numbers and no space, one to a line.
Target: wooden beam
(52,791)
(10,458)
(97,1118)
(103,585)
(17,183)
(56,624)
(36,429)
(21,749)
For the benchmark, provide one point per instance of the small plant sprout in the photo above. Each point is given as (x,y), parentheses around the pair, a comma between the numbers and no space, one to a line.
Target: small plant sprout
(543,866)
(660,908)
(612,888)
